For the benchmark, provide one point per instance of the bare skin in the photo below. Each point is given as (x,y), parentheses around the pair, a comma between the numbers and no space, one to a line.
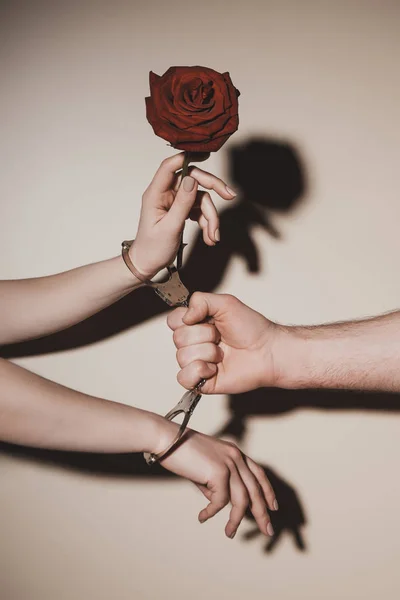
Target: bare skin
(37,412)
(241,350)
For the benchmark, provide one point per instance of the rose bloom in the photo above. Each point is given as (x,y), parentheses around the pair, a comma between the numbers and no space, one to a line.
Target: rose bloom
(193,108)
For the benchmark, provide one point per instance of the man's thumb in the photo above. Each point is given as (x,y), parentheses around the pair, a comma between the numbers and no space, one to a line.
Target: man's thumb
(202,306)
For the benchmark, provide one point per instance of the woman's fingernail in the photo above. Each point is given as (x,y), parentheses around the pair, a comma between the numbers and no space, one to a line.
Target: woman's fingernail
(232,535)
(270,529)
(217,235)
(276,505)
(188,183)
(202,520)
(230,191)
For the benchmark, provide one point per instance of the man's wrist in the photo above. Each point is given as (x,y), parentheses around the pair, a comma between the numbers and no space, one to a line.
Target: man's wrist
(315,357)
(291,358)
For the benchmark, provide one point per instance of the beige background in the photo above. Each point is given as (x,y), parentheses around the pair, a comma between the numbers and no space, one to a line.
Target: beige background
(76,154)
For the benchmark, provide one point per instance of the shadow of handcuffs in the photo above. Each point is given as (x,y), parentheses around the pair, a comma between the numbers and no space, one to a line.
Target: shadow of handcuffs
(174,293)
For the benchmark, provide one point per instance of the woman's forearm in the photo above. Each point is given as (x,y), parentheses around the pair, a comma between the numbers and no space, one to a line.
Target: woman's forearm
(31,308)
(40,413)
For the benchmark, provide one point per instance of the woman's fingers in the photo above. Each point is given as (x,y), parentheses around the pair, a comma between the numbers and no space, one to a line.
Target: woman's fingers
(183,203)
(196,215)
(239,500)
(211,182)
(237,479)
(206,214)
(263,482)
(208,181)
(166,172)
(168,193)
(238,496)
(204,226)
(204,490)
(257,501)
(204,210)
(219,496)
(189,202)
(244,488)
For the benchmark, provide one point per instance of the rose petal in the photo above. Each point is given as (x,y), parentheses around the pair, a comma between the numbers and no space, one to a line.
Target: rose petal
(181,117)
(209,146)
(154,79)
(184,119)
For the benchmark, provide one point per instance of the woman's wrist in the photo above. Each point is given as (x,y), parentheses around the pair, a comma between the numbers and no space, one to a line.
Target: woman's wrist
(148,431)
(164,432)
(141,264)
(127,279)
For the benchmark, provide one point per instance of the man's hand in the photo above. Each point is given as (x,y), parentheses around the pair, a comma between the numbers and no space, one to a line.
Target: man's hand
(235,352)
(166,205)
(240,350)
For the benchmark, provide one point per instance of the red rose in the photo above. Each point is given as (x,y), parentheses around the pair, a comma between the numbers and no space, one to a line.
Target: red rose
(193,108)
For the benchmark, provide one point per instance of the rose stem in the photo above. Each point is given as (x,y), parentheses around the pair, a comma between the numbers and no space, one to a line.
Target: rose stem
(185,170)
(186,161)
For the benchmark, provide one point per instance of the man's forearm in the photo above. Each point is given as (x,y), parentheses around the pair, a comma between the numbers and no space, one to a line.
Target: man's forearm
(353,355)
(32,308)
(40,413)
